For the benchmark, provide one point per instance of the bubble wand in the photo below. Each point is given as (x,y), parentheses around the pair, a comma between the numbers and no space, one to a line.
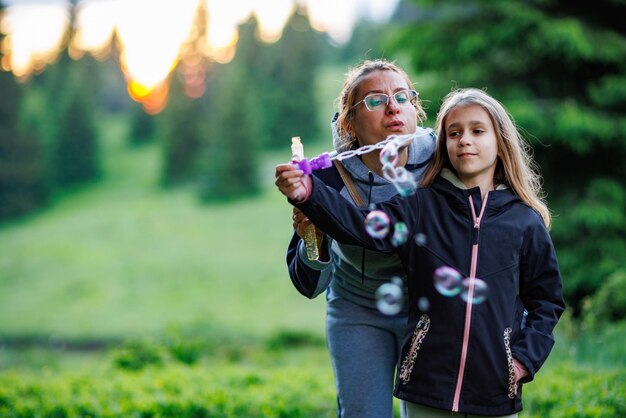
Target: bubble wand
(310,237)
(402,179)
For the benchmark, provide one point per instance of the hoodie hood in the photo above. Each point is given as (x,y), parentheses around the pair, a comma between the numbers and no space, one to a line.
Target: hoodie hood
(420,152)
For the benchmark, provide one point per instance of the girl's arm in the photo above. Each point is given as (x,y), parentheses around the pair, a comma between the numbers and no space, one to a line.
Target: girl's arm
(541,292)
(344,222)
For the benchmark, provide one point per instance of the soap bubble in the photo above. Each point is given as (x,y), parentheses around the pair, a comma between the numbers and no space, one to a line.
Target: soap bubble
(377,224)
(420,239)
(390,173)
(480,290)
(389,154)
(400,234)
(405,183)
(447,281)
(402,179)
(389,297)
(423,304)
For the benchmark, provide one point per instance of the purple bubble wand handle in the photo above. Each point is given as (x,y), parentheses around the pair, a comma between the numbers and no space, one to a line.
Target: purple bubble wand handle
(317,163)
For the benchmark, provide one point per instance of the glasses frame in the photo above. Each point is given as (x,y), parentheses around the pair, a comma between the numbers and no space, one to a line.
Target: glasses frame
(413,94)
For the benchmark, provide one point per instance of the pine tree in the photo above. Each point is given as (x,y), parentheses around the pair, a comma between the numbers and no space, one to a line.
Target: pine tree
(229,167)
(22,166)
(561,71)
(183,134)
(288,88)
(73,86)
(229,164)
(184,129)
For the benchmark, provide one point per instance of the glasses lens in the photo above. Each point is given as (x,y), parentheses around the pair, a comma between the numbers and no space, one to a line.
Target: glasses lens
(374,101)
(403,96)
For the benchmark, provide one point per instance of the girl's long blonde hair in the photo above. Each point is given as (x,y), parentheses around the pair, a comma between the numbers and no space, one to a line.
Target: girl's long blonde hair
(515,168)
(350,92)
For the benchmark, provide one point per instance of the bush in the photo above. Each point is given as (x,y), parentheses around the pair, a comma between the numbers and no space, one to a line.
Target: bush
(171,391)
(286,339)
(136,354)
(608,304)
(568,391)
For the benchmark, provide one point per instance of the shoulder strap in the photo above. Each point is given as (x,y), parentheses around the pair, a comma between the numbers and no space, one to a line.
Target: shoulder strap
(347,180)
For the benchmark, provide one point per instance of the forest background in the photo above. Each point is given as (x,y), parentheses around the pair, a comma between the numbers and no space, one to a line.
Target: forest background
(142,255)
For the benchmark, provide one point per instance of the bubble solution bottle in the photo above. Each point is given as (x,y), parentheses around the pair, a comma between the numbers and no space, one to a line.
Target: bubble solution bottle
(310,238)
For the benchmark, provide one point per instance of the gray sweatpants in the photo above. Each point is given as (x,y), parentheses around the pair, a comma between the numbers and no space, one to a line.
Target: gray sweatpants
(364,346)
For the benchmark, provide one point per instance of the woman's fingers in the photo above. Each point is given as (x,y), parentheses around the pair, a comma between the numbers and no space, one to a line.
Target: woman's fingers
(288,179)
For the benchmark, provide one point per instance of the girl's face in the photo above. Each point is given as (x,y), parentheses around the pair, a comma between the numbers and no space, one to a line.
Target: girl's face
(373,126)
(472,145)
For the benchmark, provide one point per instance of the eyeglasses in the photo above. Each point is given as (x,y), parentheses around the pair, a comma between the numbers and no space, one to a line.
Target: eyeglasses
(381,100)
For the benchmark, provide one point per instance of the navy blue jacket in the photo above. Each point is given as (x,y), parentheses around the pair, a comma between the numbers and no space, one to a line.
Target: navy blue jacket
(304,278)
(458,356)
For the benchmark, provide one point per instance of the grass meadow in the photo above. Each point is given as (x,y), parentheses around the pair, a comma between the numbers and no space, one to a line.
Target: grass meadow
(203,292)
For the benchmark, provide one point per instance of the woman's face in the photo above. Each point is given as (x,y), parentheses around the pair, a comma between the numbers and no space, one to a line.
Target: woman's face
(373,126)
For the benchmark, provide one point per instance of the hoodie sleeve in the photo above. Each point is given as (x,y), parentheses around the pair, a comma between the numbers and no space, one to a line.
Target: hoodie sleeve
(310,278)
(541,292)
(344,222)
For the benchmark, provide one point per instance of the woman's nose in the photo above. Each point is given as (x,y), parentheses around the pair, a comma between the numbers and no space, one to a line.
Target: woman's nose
(392,106)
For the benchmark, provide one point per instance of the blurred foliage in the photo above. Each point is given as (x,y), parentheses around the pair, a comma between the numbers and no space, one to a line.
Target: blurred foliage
(143,127)
(229,161)
(570,390)
(75,154)
(288,384)
(229,165)
(285,80)
(23,188)
(176,391)
(181,135)
(608,304)
(136,354)
(561,72)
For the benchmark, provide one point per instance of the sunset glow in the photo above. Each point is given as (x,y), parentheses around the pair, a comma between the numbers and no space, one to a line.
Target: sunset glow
(154,36)
(34,36)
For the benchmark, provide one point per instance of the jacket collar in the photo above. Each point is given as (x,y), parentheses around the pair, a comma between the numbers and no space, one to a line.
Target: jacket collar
(450,185)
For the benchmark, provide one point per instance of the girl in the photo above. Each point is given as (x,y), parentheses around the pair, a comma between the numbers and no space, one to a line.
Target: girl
(479,218)
(377,100)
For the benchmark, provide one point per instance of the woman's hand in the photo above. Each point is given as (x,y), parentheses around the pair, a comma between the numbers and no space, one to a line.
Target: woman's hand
(292,182)
(301,222)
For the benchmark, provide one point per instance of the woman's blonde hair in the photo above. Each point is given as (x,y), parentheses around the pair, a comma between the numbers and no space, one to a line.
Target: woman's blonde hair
(515,168)
(350,92)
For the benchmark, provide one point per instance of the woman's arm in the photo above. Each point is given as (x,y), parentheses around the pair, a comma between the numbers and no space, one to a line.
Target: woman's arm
(310,278)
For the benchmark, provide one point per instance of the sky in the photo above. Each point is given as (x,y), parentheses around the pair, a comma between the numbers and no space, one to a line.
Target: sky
(152,31)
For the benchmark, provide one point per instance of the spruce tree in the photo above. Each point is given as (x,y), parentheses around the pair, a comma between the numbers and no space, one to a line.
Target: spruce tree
(235,108)
(289,96)
(561,71)
(73,87)
(182,135)
(23,188)
(183,127)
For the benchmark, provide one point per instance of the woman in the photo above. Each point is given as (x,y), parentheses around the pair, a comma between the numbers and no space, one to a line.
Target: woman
(377,100)
(490,328)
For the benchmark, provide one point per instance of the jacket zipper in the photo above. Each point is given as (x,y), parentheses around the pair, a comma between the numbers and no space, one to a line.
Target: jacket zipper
(470,295)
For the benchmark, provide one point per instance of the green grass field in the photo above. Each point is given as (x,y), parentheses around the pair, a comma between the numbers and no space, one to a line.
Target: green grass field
(124,257)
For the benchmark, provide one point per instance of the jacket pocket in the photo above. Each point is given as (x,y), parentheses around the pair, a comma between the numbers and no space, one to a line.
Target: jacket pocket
(512,384)
(421,329)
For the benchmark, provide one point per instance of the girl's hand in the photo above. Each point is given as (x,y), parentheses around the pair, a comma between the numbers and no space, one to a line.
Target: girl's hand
(292,182)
